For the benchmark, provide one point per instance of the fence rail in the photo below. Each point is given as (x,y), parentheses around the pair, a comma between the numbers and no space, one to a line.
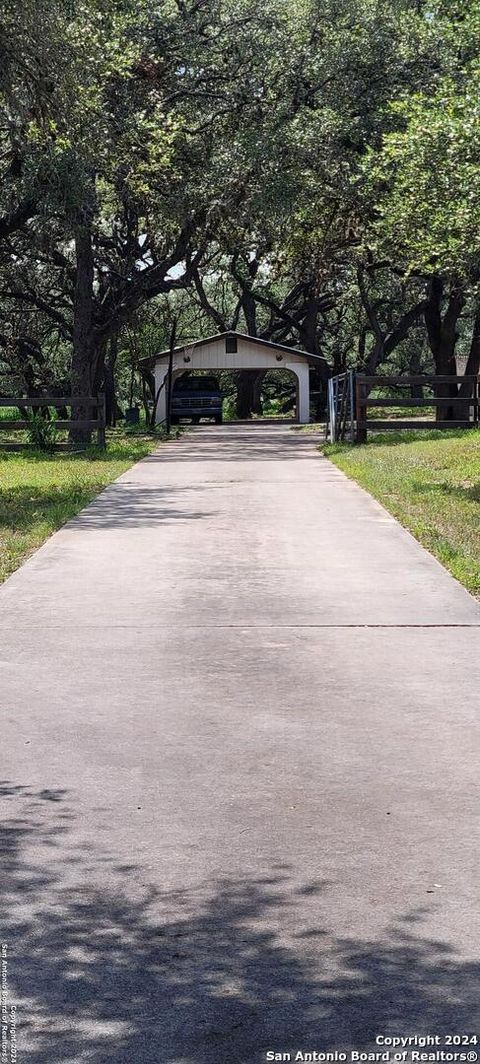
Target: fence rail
(419,378)
(349,399)
(85,404)
(444,399)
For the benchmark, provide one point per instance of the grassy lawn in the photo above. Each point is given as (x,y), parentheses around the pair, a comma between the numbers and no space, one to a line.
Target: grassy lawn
(39,492)
(314,427)
(401,413)
(430,481)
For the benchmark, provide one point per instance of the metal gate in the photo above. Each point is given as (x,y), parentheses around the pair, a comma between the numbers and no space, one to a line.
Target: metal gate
(341,407)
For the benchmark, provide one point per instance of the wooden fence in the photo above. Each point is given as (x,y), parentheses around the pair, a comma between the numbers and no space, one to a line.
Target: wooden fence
(467,407)
(94,404)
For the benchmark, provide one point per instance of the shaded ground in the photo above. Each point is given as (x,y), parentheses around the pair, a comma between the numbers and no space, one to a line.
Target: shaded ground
(205,975)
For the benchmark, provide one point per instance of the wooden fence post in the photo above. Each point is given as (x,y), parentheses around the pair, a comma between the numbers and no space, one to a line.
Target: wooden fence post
(351,391)
(361,409)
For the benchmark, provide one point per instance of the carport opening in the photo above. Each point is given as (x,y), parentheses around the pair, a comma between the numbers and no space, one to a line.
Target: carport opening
(245,394)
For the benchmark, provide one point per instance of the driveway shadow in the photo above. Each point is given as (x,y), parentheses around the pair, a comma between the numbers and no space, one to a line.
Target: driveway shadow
(122,506)
(203,975)
(234,442)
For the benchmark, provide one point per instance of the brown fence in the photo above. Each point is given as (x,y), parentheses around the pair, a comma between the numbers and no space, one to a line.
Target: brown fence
(465,409)
(94,404)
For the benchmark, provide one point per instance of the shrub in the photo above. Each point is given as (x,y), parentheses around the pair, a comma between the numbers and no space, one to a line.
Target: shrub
(42,430)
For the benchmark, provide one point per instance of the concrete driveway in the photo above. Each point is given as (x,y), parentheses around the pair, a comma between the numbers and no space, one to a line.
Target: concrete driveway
(240,748)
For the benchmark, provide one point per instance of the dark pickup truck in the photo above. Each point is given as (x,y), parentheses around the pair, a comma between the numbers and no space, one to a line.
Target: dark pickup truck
(196,397)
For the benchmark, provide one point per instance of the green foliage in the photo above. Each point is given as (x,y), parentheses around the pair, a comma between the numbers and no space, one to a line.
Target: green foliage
(425,178)
(228,408)
(232,164)
(42,431)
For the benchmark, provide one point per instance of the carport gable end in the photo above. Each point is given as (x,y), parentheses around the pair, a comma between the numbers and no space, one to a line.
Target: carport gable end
(235,351)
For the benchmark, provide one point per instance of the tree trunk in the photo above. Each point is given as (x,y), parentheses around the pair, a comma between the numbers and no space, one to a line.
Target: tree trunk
(442,335)
(309,340)
(257,392)
(473,361)
(319,385)
(415,369)
(308,328)
(245,393)
(147,379)
(109,382)
(83,332)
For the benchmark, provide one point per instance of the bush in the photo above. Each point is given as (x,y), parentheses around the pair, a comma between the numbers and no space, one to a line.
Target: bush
(229,408)
(42,430)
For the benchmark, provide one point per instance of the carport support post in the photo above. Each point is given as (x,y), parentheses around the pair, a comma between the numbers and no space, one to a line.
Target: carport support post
(161,395)
(302,374)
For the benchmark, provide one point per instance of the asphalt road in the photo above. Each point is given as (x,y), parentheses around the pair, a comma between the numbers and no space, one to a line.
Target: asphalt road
(240,750)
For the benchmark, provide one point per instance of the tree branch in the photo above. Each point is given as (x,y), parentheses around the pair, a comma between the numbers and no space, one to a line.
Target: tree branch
(205,302)
(16,219)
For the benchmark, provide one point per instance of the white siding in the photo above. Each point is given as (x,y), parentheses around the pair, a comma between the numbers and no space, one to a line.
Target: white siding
(250,355)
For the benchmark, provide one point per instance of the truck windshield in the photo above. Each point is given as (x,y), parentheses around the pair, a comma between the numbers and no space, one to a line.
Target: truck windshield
(197,384)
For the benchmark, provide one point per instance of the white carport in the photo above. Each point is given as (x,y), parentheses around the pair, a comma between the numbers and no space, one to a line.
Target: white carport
(235,351)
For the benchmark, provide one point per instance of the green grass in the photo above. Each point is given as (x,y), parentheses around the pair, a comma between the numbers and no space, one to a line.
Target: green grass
(430,481)
(401,413)
(39,492)
(313,427)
